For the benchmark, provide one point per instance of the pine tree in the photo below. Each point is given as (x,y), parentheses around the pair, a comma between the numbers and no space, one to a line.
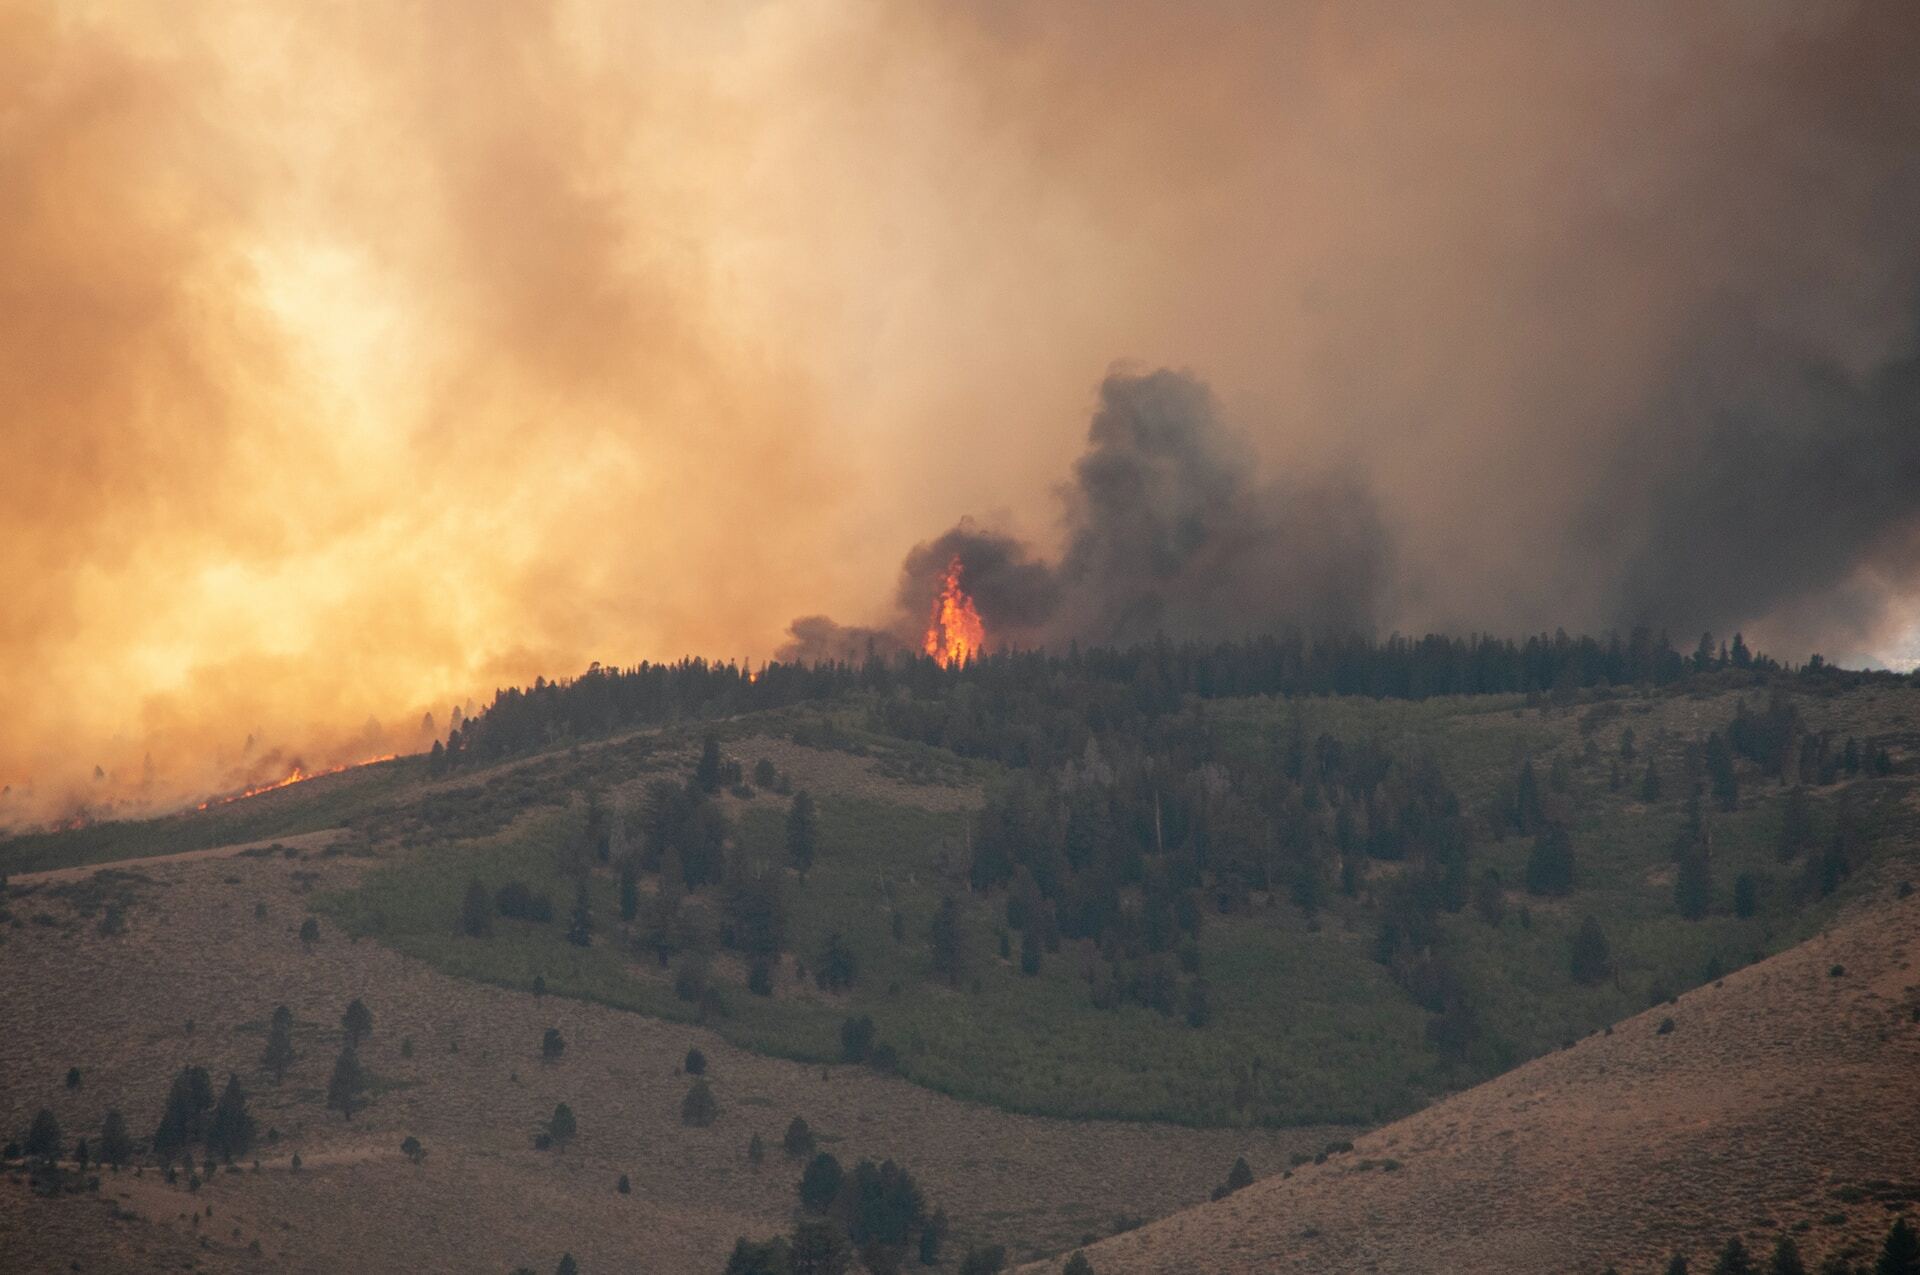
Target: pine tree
(552,1045)
(561,1127)
(580,924)
(278,1055)
(1627,749)
(1734,1259)
(1650,784)
(948,943)
(44,1141)
(348,1083)
(230,1134)
(820,1182)
(629,890)
(567,1265)
(116,1147)
(183,1121)
(476,911)
(1693,884)
(802,834)
(798,1140)
(698,1108)
(1900,1255)
(1030,951)
(706,775)
(1241,1175)
(818,1248)
(1678,1266)
(310,931)
(1786,1258)
(1592,955)
(1726,781)
(357,1023)
(1550,863)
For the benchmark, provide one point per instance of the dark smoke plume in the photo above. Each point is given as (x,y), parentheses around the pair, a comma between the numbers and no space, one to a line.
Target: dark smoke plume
(1167,533)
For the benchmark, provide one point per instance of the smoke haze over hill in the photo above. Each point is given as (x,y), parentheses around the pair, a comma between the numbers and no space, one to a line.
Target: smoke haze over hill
(354,359)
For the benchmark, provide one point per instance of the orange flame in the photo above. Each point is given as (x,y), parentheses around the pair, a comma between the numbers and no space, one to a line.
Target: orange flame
(955,635)
(298,775)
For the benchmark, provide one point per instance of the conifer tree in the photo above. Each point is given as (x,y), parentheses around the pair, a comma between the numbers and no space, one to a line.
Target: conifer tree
(1900,1255)
(278,1055)
(230,1133)
(1734,1259)
(1650,786)
(476,911)
(562,1126)
(356,1022)
(1786,1258)
(116,1147)
(1592,956)
(348,1083)
(948,943)
(1550,863)
(1693,884)
(580,924)
(629,890)
(802,833)
(698,1108)
(44,1141)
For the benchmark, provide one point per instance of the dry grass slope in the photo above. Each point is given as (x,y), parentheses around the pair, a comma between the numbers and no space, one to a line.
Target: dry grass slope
(1786,1097)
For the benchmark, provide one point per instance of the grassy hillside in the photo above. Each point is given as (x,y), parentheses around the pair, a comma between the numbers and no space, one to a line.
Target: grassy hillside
(1305,1025)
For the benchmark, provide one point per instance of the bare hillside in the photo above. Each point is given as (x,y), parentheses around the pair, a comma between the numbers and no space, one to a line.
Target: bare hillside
(1785,1096)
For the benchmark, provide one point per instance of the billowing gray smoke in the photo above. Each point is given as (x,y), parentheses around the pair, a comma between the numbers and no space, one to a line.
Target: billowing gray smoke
(1167,533)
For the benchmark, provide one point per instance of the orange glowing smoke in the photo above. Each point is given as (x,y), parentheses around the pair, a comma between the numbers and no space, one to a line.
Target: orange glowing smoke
(297,775)
(955,634)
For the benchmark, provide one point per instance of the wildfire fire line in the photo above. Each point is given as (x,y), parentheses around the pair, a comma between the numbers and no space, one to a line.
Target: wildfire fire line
(955,634)
(299,774)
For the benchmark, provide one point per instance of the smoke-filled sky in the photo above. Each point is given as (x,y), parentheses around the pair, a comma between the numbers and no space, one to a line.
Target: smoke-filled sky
(358,358)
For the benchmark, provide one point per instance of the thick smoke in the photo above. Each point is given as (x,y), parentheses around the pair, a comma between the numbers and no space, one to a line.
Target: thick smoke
(1168,532)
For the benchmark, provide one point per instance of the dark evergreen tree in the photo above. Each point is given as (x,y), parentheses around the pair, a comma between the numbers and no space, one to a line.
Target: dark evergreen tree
(629,890)
(948,943)
(1592,955)
(768,1257)
(1734,1259)
(552,1045)
(856,1038)
(1650,783)
(116,1146)
(1786,1258)
(1628,751)
(695,1064)
(1693,884)
(561,1126)
(183,1122)
(567,1265)
(698,1108)
(476,911)
(1241,1175)
(798,1140)
(278,1055)
(1746,895)
(1720,771)
(932,1236)
(1900,1254)
(706,775)
(580,923)
(348,1083)
(1528,817)
(1678,1266)
(1550,864)
(820,1182)
(357,1023)
(802,832)
(1030,951)
(1077,1265)
(310,931)
(835,969)
(1796,823)
(984,1259)
(818,1248)
(230,1132)
(44,1141)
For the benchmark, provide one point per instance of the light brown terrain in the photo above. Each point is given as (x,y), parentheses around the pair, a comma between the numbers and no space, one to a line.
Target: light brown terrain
(474,1092)
(1786,1097)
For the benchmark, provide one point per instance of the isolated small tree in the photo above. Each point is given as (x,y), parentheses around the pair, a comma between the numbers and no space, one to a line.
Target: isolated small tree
(856,1038)
(629,890)
(798,1140)
(947,942)
(984,1259)
(1693,884)
(44,1141)
(278,1055)
(230,1134)
(1077,1265)
(623,1186)
(580,923)
(1627,751)
(1650,793)
(696,1063)
(412,1149)
(706,774)
(1734,1259)
(1550,863)
(567,1265)
(73,1077)
(357,1022)
(1786,1258)
(820,1182)
(699,1108)
(552,1045)
(561,1126)
(835,970)
(310,931)
(1678,1266)
(818,1248)
(476,911)
(1900,1254)
(1241,1175)
(802,834)
(1592,955)
(348,1083)
(116,1147)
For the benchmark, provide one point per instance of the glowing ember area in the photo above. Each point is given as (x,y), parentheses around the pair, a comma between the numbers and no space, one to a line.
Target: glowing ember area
(955,634)
(297,775)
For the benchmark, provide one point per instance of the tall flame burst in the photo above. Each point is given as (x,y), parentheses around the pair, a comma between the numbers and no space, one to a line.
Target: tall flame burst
(955,634)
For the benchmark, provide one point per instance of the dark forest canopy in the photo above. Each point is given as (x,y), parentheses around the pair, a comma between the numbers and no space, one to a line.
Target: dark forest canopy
(948,706)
